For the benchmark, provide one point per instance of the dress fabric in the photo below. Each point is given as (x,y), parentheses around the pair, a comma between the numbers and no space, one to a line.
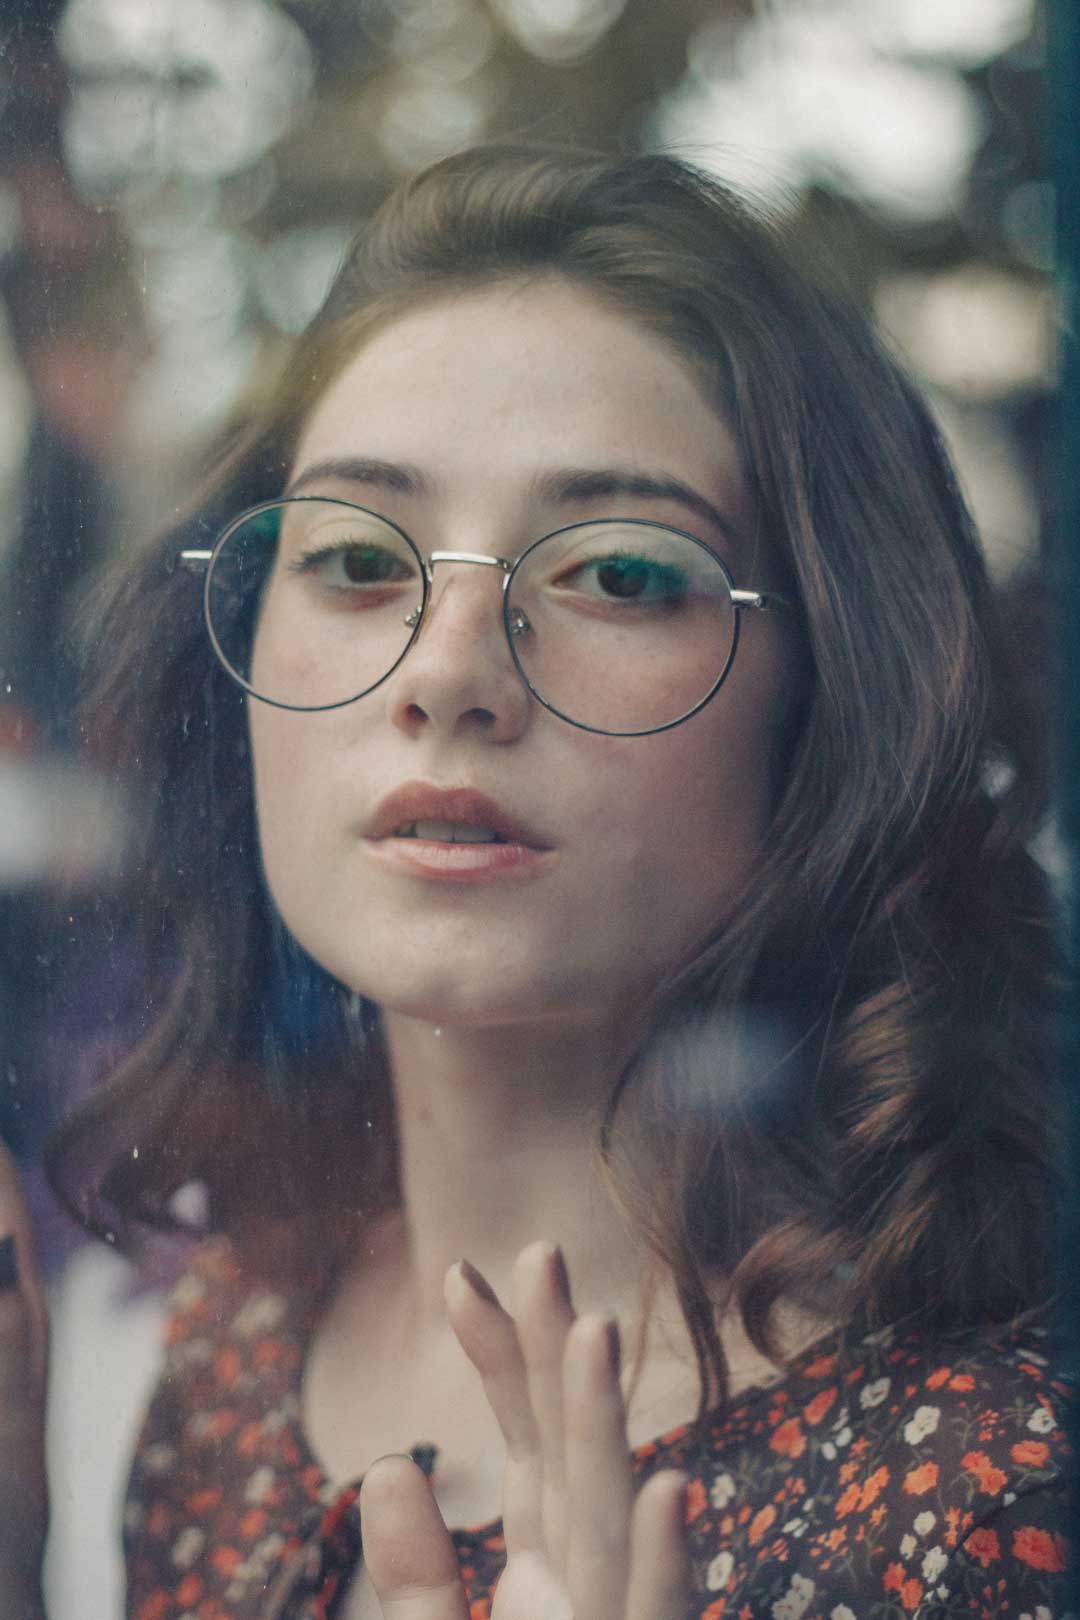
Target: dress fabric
(886,1478)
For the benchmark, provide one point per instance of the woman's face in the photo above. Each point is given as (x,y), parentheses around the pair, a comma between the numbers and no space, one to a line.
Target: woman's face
(469,422)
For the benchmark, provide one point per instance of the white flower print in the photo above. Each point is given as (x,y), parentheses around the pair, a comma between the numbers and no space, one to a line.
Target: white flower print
(794,1527)
(924,1423)
(159,1458)
(873,1394)
(259,1485)
(722,1490)
(907,1546)
(924,1523)
(719,1572)
(188,1292)
(1041,1421)
(933,1564)
(841,1419)
(841,1612)
(187,1546)
(795,1601)
(260,1314)
(883,1336)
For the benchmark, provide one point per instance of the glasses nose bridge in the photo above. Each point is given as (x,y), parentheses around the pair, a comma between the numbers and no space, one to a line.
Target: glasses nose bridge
(503,564)
(482,559)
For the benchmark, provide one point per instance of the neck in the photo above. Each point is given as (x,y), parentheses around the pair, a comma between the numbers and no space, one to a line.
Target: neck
(497,1136)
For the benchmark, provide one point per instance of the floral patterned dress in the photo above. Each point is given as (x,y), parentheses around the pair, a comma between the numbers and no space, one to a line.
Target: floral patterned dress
(881,1479)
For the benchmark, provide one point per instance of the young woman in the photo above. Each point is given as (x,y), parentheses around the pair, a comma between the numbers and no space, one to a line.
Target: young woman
(585,822)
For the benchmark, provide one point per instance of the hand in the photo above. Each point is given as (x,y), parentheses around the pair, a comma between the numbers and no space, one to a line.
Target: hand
(23,1350)
(579,1546)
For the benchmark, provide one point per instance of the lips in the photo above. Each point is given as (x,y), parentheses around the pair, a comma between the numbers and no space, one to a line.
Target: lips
(457,815)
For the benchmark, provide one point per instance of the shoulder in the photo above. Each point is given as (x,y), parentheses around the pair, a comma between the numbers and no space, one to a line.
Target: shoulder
(230,1329)
(220,1478)
(886,1476)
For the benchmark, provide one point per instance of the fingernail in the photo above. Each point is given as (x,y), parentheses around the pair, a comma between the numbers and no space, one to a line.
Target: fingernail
(560,1277)
(614,1346)
(9,1263)
(478,1284)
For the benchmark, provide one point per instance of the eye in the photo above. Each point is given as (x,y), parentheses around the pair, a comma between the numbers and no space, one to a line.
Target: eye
(354,564)
(626,576)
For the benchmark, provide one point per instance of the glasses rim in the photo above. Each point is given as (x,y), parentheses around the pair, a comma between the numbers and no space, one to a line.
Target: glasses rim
(208,560)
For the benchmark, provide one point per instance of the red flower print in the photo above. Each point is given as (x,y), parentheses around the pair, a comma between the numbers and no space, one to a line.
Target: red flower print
(817,1408)
(873,1487)
(201,1504)
(228,1366)
(983,1544)
(715,1610)
(1040,1549)
(893,1578)
(253,1524)
(249,1439)
(821,1368)
(479,1609)
(189,1591)
(788,1439)
(155,1607)
(936,1379)
(225,1560)
(695,1500)
(911,1595)
(760,1523)
(878,1514)
(1030,1453)
(917,1481)
(991,1480)
(962,1381)
(848,1501)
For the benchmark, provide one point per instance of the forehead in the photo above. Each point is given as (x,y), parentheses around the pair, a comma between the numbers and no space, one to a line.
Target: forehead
(503,379)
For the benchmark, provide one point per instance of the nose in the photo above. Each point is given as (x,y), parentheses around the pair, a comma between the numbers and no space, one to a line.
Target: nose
(458,676)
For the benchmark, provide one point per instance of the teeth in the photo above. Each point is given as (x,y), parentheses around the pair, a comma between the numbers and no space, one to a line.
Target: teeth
(449,832)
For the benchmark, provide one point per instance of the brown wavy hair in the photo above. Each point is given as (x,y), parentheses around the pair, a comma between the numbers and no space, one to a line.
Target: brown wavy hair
(846,1097)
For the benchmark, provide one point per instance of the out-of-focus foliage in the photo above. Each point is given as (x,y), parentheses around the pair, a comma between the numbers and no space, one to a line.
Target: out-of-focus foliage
(231,146)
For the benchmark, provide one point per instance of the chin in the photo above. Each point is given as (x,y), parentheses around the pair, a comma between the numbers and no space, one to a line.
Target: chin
(494,997)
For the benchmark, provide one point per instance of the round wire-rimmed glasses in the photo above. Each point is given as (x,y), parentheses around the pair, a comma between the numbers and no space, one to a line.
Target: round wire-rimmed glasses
(620,626)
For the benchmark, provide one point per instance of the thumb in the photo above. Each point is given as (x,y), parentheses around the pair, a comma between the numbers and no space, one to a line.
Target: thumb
(408,1552)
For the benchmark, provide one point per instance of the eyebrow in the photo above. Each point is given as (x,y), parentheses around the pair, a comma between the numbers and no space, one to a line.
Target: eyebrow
(559,487)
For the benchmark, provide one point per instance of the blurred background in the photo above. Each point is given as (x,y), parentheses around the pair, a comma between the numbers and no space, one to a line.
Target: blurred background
(177,181)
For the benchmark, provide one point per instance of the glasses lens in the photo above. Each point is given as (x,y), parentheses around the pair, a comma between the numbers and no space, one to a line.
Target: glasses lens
(307,601)
(622,626)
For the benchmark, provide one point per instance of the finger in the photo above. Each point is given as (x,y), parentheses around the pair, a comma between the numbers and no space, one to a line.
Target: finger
(23,1267)
(489,1338)
(408,1551)
(544,1315)
(599,1480)
(659,1551)
(23,1495)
